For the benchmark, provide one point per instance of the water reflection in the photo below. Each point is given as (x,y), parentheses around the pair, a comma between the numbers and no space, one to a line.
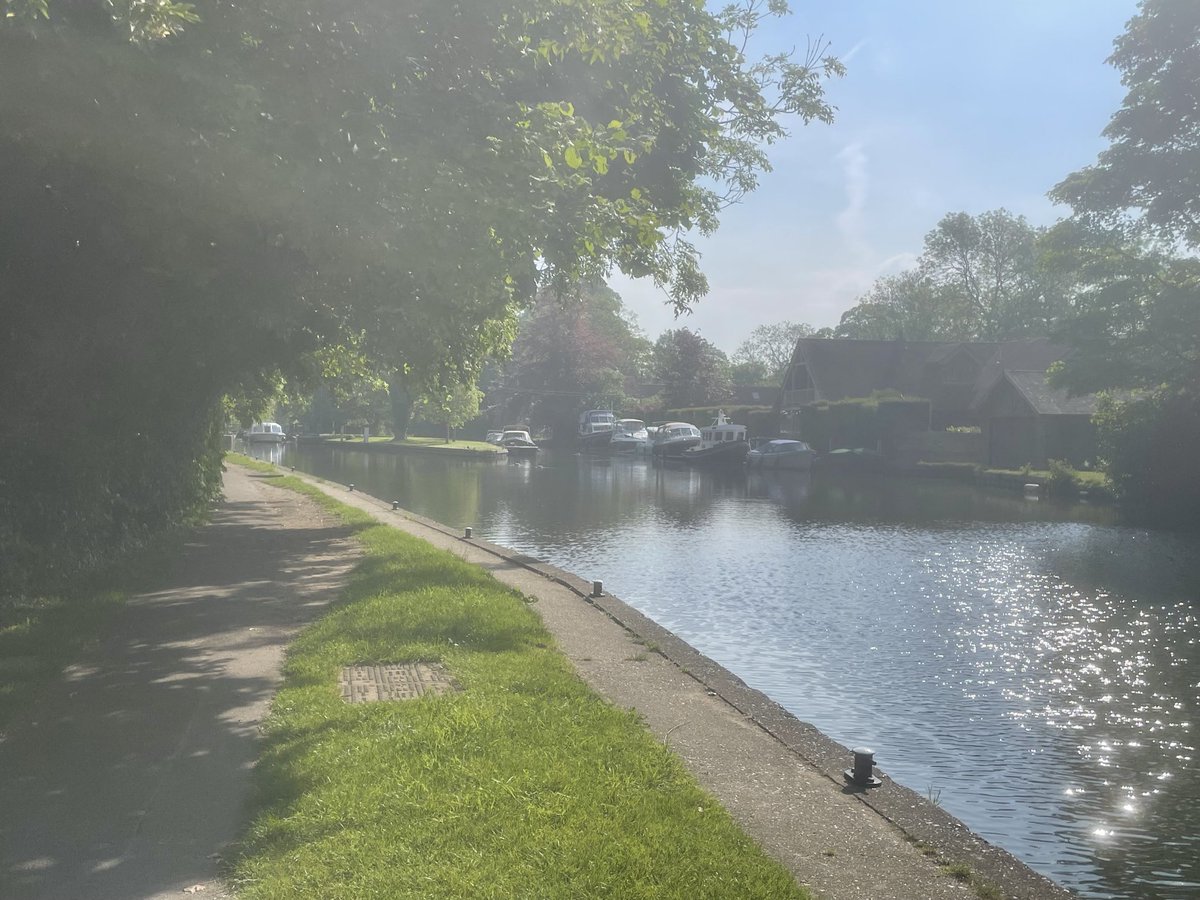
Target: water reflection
(1034,665)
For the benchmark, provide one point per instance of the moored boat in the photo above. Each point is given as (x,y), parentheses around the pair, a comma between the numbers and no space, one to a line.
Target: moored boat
(630,436)
(782,454)
(672,438)
(721,443)
(518,443)
(265,433)
(595,429)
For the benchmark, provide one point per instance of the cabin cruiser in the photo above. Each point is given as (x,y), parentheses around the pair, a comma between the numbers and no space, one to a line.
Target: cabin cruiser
(672,438)
(265,433)
(782,454)
(721,443)
(518,443)
(630,436)
(595,428)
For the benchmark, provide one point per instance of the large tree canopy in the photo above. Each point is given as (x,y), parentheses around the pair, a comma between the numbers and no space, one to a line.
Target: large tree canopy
(198,196)
(1151,168)
(1135,316)
(978,278)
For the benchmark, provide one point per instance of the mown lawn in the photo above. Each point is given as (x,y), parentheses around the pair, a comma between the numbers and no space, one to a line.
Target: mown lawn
(523,785)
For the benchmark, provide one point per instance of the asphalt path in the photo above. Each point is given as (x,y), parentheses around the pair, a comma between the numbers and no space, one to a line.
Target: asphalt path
(130,774)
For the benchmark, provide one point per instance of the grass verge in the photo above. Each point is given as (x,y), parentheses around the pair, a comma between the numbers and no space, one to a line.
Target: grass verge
(524,784)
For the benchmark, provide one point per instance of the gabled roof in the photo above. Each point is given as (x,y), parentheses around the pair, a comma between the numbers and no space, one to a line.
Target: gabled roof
(841,368)
(1029,355)
(1045,399)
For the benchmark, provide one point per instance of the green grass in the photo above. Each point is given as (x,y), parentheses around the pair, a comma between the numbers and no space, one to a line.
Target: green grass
(433,443)
(525,784)
(251,463)
(441,444)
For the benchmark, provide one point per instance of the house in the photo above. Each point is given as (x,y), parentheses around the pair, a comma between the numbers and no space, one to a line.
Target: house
(944,372)
(1025,420)
(998,386)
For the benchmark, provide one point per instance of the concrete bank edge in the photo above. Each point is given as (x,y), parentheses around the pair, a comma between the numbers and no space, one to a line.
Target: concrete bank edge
(916,816)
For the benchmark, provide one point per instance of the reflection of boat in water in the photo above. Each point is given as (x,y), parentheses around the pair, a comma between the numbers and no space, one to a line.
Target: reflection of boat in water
(265,433)
(721,444)
(630,436)
(782,454)
(595,429)
(518,444)
(672,438)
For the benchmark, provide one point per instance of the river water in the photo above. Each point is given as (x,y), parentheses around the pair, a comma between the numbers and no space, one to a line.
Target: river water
(1033,668)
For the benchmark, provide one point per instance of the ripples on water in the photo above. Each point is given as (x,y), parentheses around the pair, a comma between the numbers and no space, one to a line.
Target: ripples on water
(1038,677)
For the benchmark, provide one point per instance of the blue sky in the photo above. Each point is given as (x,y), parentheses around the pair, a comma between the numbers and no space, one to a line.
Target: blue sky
(947,106)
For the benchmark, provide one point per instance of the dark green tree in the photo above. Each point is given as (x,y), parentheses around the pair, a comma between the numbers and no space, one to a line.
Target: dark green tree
(1131,243)
(571,353)
(1149,169)
(693,371)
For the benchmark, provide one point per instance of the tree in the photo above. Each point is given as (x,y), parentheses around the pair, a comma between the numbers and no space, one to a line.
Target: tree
(904,306)
(978,278)
(693,371)
(571,353)
(453,409)
(768,350)
(1135,321)
(195,208)
(1149,169)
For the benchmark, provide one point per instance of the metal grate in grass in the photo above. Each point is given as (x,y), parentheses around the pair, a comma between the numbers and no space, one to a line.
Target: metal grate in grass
(394,681)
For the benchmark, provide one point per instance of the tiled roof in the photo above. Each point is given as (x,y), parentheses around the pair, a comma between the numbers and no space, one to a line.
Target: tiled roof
(1047,400)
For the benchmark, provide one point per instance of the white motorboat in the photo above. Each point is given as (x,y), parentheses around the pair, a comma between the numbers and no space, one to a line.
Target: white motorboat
(595,428)
(518,443)
(265,433)
(672,438)
(630,436)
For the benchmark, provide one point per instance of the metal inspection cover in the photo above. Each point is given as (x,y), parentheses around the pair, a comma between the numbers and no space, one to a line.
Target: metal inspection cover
(394,681)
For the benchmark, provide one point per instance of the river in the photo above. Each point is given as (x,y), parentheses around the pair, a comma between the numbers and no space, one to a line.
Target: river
(1031,667)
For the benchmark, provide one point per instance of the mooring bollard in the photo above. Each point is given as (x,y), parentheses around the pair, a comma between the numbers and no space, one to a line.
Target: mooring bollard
(597,588)
(351,487)
(395,504)
(863,772)
(467,531)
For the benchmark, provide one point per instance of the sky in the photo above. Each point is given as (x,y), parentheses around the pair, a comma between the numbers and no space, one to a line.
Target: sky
(946,106)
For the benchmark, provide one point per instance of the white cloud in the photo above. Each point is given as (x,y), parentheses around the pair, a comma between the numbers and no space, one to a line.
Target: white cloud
(850,220)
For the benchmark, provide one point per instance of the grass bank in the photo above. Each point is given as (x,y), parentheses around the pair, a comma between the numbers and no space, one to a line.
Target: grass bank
(524,784)
(424,443)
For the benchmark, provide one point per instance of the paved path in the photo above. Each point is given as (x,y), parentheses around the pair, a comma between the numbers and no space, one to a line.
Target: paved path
(130,774)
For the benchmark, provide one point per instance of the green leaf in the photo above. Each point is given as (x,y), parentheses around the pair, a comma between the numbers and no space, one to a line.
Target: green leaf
(572,157)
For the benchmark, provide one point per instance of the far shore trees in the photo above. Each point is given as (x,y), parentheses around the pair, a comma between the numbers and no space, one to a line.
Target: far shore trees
(692,370)
(979,278)
(1133,240)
